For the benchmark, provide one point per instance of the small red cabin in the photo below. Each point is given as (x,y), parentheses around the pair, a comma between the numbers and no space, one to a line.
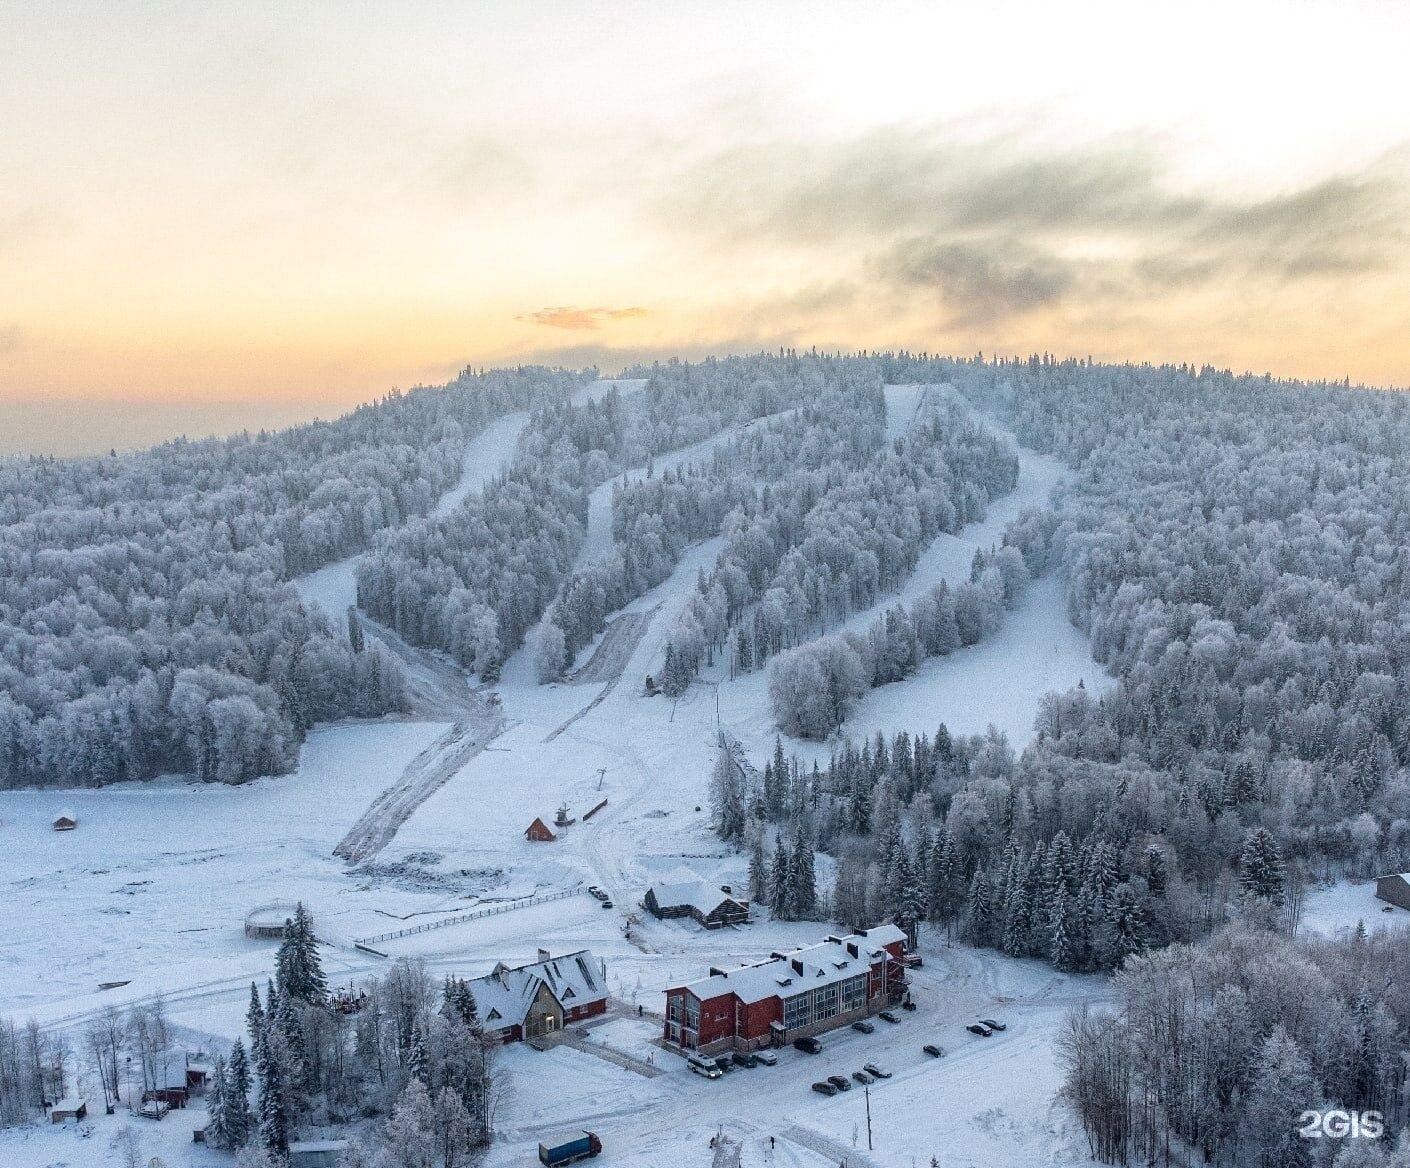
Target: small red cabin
(539,832)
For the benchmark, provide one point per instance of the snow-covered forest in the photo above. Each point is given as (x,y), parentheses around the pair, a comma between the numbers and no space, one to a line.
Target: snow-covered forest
(1238,549)
(146,625)
(1219,1049)
(1235,551)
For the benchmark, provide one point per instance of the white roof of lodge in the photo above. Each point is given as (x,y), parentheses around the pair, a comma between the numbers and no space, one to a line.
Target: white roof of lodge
(166,1069)
(822,964)
(685,888)
(503,996)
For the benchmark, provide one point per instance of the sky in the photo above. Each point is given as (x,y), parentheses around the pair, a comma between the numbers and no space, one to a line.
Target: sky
(215,216)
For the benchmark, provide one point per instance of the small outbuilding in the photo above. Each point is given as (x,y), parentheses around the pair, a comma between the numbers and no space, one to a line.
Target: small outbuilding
(65,821)
(1394,889)
(69,1108)
(316,1153)
(539,832)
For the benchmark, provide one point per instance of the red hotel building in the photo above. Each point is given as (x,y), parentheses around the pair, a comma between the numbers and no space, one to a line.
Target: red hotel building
(791,995)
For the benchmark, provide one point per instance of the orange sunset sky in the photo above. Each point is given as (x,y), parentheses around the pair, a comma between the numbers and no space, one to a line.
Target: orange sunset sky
(215,216)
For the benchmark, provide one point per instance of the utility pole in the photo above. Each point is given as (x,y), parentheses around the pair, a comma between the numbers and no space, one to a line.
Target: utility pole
(867,1092)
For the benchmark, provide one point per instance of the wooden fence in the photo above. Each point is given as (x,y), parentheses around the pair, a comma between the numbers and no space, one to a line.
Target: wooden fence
(475,915)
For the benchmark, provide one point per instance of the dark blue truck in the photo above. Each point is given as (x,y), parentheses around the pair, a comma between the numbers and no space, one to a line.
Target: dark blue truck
(569,1147)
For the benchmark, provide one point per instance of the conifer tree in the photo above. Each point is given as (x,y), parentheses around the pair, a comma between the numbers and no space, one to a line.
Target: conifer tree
(239,1121)
(217,1132)
(779,881)
(298,966)
(1261,868)
(274,1119)
(758,869)
(255,1019)
(802,879)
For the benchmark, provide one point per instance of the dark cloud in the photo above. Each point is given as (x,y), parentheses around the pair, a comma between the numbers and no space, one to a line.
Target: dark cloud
(982,282)
(1000,226)
(565,317)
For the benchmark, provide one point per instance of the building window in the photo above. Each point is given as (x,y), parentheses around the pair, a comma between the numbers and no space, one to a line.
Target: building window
(854,993)
(692,1013)
(796,1012)
(825,1003)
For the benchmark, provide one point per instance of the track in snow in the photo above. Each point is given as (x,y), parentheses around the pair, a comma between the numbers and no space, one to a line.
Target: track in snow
(438,689)
(608,661)
(615,649)
(427,773)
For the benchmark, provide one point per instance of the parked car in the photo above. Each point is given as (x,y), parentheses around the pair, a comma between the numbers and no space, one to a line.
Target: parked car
(932,1050)
(703,1067)
(862,1077)
(993,1024)
(606,904)
(594,890)
(840,1082)
(724,1064)
(824,1088)
(876,1072)
(742,1058)
(808,1045)
(766,1057)
(914,961)
(864,1026)
(890,1016)
(980,1029)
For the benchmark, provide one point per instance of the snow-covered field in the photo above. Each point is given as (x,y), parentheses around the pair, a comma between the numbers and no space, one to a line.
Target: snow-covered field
(154,885)
(1336,910)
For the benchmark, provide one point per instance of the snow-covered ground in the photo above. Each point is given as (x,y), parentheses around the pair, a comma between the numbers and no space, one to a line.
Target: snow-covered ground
(1336,910)
(154,886)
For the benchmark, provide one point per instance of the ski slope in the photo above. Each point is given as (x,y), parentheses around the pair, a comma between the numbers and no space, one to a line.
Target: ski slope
(334,587)
(154,885)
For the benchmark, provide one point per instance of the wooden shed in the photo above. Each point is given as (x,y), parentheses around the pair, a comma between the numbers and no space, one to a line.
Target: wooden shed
(539,832)
(1394,889)
(69,1108)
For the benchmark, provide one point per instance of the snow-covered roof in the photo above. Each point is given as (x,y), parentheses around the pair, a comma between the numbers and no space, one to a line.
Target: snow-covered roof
(885,935)
(166,1070)
(684,889)
(833,960)
(503,996)
(71,1103)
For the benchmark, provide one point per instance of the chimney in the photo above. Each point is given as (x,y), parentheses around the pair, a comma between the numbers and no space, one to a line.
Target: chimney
(797,965)
(543,954)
